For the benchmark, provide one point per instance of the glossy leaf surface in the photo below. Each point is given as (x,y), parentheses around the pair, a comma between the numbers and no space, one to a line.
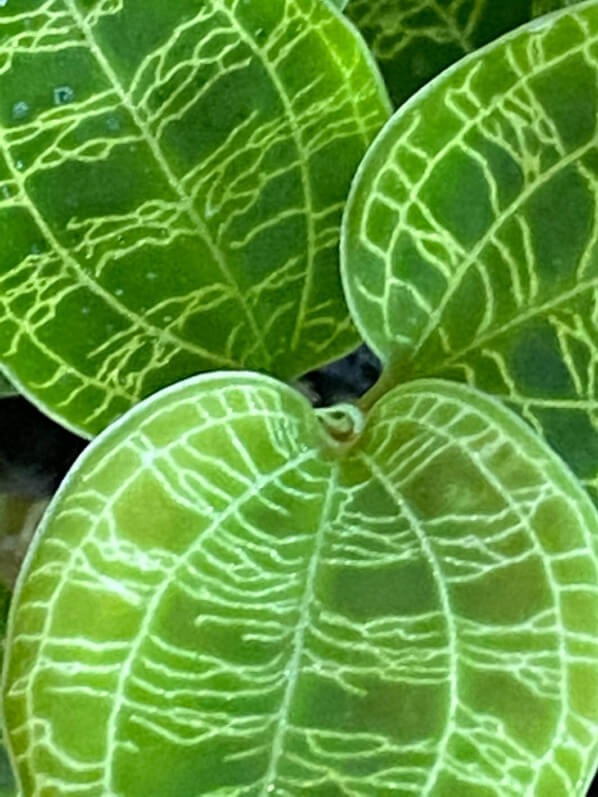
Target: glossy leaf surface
(171,186)
(224,601)
(471,241)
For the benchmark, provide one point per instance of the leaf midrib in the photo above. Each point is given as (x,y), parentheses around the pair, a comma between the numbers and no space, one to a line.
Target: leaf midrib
(170,576)
(298,643)
(303,160)
(526,193)
(175,184)
(534,544)
(443,593)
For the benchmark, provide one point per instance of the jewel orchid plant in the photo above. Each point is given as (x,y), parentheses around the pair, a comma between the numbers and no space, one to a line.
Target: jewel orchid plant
(233,593)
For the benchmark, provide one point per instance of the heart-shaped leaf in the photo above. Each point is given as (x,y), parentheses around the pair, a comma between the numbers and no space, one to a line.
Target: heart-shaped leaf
(172,180)
(414,40)
(226,599)
(471,237)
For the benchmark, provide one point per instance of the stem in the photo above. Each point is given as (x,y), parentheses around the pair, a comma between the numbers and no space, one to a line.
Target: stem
(389,378)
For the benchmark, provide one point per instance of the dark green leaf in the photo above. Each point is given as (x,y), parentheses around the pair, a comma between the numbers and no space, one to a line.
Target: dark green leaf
(172,180)
(471,240)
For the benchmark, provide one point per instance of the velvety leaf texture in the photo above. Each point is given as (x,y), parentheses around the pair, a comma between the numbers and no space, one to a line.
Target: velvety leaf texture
(471,241)
(222,600)
(172,177)
(414,40)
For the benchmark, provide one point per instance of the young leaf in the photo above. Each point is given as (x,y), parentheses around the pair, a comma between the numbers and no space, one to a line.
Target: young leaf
(471,241)
(172,179)
(224,598)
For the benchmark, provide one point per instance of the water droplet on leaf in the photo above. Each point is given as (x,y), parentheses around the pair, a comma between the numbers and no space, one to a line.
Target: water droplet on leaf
(63,95)
(20,110)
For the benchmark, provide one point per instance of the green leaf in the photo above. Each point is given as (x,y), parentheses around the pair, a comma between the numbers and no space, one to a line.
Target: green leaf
(414,40)
(172,180)
(224,599)
(471,237)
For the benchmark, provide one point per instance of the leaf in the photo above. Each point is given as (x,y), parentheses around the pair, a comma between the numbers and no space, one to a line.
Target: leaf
(414,40)
(471,237)
(173,178)
(224,598)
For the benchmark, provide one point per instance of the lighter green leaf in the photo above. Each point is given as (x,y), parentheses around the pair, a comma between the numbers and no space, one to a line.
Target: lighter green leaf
(224,600)
(471,240)
(414,40)
(172,180)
